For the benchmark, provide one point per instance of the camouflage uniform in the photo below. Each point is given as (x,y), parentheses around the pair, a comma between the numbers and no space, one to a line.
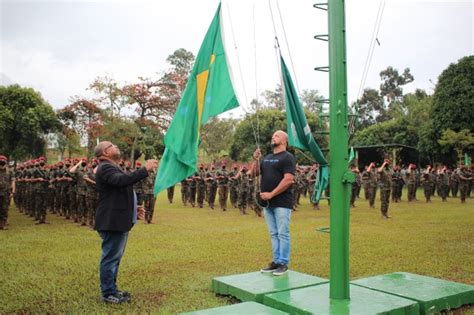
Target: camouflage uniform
(170,193)
(465,177)
(244,190)
(92,196)
(82,210)
(252,204)
(385,182)
(372,188)
(192,189)
(138,188)
(411,183)
(211,187)
(444,185)
(184,191)
(454,183)
(6,179)
(365,183)
(222,186)
(233,188)
(200,188)
(396,178)
(148,196)
(428,184)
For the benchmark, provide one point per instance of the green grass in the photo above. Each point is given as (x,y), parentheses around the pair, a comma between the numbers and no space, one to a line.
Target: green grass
(168,266)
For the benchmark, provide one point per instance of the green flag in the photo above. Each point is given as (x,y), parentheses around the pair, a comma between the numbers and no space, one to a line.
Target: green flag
(208,93)
(351,155)
(467,159)
(299,133)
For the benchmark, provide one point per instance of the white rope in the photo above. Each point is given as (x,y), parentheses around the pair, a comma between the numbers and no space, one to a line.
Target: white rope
(257,105)
(256,137)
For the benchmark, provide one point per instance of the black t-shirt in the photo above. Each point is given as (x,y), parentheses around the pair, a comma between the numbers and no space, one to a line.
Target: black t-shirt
(272,169)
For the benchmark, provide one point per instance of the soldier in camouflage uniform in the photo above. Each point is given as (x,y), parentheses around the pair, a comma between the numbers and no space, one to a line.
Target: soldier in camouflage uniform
(41,183)
(192,184)
(465,177)
(19,188)
(454,182)
(244,189)
(71,182)
(365,182)
(80,170)
(184,192)
(252,204)
(211,186)
(427,183)
(148,196)
(222,187)
(233,187)
(170,193)
(385,182)
(411,183)
(92,195)
(7,188)
(311,182)
(443,179)
(372,181)
(355,186)
(200,186)
(138,188)
(396,178)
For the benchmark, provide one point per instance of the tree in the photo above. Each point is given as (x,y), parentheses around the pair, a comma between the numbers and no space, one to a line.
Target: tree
(370,108)
(453,100)
(310,99)
(25,120)
(274,98)
(109,94)
(460,141)
(216,137)
(392,82)
(85,118)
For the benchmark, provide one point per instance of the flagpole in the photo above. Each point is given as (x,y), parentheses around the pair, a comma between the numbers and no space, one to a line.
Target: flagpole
(340,179)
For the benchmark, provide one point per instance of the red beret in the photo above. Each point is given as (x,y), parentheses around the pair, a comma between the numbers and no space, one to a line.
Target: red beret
(3,158)
(138,164)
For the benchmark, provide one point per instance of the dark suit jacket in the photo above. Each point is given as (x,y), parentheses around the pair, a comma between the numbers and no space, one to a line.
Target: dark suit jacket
(115,206)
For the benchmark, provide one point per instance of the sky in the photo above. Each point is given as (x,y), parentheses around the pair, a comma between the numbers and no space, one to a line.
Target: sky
(60,47)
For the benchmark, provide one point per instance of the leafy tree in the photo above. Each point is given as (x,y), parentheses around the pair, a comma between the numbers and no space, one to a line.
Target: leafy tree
(85,118)
(392,82)
(460,141)
(25,120)
(310,99)
(109,94)
(216,137)
(274,98)
(453,100)
(370,108)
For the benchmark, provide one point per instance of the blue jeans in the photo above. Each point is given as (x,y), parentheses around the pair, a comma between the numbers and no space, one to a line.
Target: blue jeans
(113,247)
(278,222)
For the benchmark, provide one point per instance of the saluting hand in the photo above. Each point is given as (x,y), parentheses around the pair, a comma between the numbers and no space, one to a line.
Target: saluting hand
(151,164)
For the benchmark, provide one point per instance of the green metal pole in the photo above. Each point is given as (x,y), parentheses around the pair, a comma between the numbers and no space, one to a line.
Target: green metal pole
(339,147)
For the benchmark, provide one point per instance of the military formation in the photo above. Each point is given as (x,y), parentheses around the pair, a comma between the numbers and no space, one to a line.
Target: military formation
(67,188)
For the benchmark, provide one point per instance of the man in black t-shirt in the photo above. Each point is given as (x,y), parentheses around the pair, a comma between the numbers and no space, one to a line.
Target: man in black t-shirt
(278,172)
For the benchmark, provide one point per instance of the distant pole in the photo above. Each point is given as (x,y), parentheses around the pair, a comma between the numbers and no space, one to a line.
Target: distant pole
(339,147)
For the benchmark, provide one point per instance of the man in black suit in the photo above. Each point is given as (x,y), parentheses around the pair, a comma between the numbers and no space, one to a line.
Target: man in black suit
(115,215)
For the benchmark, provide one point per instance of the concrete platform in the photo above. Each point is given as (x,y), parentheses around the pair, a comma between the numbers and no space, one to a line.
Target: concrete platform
(253,286)
(433,295)
(315,300)
(241,308)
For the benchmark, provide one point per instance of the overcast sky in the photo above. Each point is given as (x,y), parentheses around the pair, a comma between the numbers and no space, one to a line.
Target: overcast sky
(59,47)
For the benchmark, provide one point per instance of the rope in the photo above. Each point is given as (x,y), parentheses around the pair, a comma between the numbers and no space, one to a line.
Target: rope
(256,138)
(368,60)
(288,46)
(257,105)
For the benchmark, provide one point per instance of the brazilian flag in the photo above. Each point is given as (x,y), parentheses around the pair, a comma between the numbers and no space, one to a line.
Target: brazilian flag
(208,93)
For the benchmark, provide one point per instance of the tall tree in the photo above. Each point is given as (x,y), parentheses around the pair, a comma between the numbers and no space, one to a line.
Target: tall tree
(109,94)
(274,99)
(311,100)
(25,120)
(392,83)
(453,100)
(85,118)
(216,137)
(461,141)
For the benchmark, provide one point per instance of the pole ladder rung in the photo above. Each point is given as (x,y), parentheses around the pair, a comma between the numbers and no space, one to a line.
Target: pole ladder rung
(323,37)
(321,6)
(322,132)
(323,101)
(322,69)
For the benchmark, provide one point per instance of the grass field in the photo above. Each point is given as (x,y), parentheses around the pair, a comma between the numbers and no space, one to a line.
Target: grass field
(168,266)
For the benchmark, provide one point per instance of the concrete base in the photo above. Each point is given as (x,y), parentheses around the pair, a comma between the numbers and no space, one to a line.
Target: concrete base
(241,308)
(253,286)
(315,300)
(433,295)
